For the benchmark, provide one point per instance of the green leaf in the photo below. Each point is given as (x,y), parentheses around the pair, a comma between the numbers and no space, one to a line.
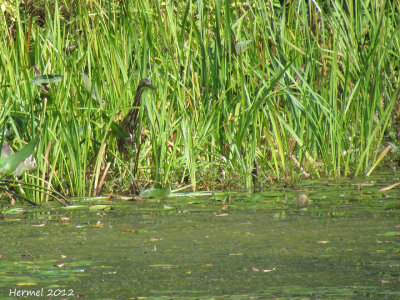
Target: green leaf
(117,130)
(73,207)
(14,211)
(94,90)
(155,193)
(46,79)
(161,266)
(100,207)
(10,163)
(390,233)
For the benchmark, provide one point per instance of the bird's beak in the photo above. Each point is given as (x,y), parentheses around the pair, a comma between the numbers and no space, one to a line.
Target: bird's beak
(152,87)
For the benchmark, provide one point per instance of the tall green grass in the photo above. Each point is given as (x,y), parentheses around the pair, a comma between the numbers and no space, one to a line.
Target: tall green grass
(245,89)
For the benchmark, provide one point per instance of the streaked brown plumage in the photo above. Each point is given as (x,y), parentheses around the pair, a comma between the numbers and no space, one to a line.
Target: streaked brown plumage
(130,122)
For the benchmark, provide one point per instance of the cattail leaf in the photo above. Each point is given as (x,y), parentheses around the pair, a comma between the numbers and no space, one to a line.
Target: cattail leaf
(93,90)
(46,79)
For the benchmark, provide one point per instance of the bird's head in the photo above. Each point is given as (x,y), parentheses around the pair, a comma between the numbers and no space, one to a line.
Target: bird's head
(145,83)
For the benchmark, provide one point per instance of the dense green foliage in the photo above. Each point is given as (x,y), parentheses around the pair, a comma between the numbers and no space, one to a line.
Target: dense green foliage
(246,89)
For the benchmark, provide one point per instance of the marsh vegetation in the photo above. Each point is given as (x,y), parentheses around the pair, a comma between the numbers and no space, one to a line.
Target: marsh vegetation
(248,92)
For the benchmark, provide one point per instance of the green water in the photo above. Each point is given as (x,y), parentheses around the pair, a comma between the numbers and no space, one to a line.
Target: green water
(233,245)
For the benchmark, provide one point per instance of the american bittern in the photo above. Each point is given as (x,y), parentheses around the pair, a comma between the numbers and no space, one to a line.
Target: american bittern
(130,122)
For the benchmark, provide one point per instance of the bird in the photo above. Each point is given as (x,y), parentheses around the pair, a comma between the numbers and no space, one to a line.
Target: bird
(130,122)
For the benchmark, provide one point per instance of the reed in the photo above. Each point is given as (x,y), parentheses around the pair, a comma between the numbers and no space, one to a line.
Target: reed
(245,89)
